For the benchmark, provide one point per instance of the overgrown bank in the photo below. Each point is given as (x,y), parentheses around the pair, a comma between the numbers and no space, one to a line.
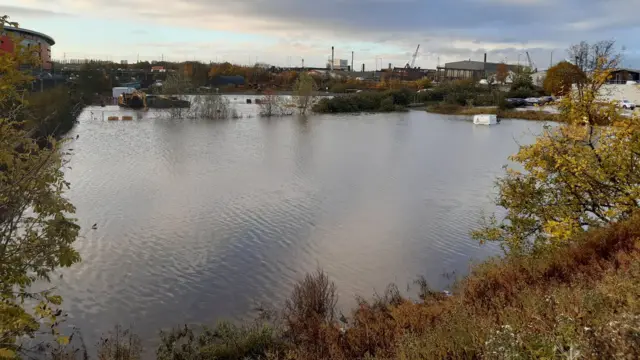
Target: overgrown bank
(580,301)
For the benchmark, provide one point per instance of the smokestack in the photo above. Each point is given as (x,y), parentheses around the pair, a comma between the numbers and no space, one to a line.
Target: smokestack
(389,66)
(485,58)
(362,67)
(303,63)
(352,60)
(332,53)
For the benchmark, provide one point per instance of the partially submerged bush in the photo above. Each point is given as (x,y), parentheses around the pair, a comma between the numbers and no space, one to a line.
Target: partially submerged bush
(273,105)
(391,100)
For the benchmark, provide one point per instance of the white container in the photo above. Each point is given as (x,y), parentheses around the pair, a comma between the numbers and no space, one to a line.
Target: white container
(485,119)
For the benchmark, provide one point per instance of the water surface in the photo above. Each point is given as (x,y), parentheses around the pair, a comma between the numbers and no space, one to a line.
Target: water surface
(200,220)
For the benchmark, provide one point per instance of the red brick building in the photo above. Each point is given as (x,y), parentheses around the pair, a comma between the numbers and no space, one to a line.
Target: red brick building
(40,43)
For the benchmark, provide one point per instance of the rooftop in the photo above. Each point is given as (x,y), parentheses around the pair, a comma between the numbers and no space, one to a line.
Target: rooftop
(47,38)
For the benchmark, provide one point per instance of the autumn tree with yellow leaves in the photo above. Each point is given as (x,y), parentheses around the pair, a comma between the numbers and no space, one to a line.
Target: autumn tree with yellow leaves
(36,230)
(581,174)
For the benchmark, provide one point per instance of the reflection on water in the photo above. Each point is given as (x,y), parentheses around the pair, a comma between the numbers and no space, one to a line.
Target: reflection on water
(200,220)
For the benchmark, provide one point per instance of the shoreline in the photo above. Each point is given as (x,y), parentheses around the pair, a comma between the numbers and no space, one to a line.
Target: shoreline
(533,115)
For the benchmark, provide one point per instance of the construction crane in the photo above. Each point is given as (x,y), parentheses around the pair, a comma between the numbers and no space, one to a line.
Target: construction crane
(413,58)
(531,64)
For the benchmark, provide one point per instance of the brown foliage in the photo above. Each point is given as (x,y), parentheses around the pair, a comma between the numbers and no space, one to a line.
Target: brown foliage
(560,78)
(521,305)
(309,315)
(502,72)
(596,251)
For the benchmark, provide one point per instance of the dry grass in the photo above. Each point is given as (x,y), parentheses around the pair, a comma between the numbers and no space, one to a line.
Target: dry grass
(581,300)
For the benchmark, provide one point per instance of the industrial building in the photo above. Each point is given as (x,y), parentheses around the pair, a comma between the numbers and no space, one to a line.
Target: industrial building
(338,64)
(622,75)
(39,42)
(467,69)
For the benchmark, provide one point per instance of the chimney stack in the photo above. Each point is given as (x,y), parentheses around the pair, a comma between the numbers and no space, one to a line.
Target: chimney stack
(485,58)
(362,67)
(332,54)
(352,61)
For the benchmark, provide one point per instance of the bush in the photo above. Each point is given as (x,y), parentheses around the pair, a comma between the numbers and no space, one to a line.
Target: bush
(310,312)
(364,101)
(226,341)
(401,97)
(387,105)
(53,112)
(522,92)
(339,88)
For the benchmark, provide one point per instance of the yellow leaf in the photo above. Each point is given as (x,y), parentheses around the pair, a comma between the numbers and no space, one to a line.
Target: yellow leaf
(7,353)
(63,340)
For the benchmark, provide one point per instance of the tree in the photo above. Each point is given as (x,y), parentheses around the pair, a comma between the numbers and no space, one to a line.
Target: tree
(36,230)
(93,79)
(590,57)
(502,72)
(561,77)
(576,176)
(303,91)
(522,80)
(273,105)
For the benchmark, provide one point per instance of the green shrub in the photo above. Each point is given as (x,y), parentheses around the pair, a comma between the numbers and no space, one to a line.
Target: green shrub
(364,101)
(53,112)
(522,92)
(387,105)
(401,97)
(226,341)
(339,88)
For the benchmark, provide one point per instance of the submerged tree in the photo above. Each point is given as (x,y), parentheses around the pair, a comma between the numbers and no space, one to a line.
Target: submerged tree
(303,91)
(36,230)
(582,174)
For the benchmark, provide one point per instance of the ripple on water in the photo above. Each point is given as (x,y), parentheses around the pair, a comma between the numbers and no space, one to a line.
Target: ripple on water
(199,220)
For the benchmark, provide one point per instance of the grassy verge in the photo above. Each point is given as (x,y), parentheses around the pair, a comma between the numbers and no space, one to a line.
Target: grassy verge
(535,115)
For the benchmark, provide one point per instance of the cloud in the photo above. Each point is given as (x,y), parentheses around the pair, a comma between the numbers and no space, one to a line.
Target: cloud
(447,30)
(17,12)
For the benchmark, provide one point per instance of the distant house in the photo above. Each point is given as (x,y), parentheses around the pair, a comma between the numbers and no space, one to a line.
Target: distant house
(224,80)
(157,69)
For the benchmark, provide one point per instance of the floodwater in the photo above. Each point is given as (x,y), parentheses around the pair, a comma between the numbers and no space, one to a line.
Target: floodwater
(199,221)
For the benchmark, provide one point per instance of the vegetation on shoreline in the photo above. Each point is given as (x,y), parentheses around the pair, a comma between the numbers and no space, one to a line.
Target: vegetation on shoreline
(536,115)
(366,101)
(37,230)
(579,300)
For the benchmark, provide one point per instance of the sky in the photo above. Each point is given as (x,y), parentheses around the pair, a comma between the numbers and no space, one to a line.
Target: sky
(284,32)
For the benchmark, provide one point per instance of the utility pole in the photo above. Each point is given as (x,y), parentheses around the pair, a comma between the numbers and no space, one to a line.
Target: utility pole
(352,70)
(551,60)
